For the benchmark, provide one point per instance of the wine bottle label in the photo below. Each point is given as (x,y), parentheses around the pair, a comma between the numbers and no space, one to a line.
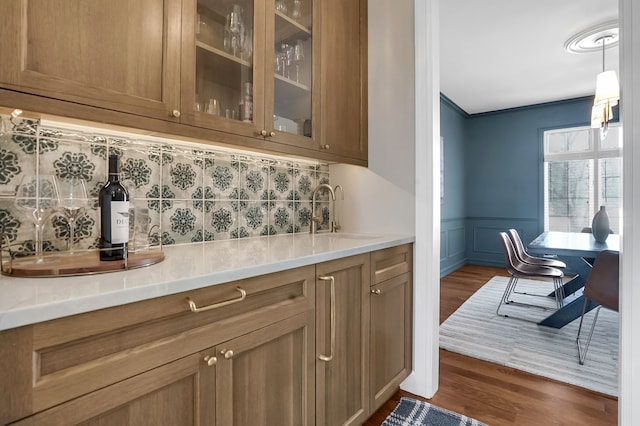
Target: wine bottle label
(119,222)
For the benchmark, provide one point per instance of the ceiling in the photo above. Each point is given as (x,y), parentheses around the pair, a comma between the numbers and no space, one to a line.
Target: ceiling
(499,54)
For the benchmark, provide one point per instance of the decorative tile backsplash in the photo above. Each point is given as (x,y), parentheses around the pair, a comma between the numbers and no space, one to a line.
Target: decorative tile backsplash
(184,192)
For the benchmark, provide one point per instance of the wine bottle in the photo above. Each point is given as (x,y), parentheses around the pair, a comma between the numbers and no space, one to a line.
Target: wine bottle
(114,215)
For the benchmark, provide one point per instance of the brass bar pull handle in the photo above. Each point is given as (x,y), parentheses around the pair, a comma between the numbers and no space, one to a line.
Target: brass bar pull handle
(195,308)
(332,281)
(376,292)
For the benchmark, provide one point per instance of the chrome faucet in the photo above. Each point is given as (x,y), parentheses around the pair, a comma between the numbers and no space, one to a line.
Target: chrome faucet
(315,220)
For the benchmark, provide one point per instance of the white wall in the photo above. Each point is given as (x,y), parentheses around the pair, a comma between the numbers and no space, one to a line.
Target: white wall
(399,191)
(381,198)
(629,374)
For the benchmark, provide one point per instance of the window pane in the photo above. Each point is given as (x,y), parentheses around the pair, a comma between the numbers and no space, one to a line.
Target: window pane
(610,189)
(613,139)
(571,141)
(569,191)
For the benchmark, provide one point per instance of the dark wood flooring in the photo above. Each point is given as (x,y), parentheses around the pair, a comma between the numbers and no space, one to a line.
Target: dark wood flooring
(498,395)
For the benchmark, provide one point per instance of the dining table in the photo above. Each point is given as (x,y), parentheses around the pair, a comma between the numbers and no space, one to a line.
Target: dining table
(577,250)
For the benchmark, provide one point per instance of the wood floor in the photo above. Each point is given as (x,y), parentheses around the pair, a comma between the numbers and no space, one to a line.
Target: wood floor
(498,395)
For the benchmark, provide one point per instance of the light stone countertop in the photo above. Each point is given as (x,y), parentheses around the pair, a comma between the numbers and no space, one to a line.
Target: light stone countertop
(26,301)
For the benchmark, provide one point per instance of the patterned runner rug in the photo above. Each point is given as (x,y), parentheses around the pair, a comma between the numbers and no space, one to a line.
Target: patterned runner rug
(475,330)
(410,412)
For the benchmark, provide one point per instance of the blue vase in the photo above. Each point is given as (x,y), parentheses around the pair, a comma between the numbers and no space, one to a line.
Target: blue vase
(600,225)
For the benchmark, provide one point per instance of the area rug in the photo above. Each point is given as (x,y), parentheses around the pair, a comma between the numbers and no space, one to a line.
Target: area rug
(475,330)
(410,412)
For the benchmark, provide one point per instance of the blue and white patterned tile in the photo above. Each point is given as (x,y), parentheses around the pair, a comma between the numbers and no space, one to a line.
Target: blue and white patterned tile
(183,176)
(223,177)
(221,221)
(268,199)
(74,160)
(323,211)
(63,134)
(253,218)
(14,163)
(13,223)
(138,172)
(255,180)
(303,217)
(182,222)
(282,218)
(305,183)
(160,198)
(280,181)
(204,199)
(239,199)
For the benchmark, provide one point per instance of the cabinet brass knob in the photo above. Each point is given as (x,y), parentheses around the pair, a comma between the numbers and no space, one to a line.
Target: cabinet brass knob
(210,360)
(272,133)
(264,133)
(376,291)
(324,146)
(228,353)
(175,113)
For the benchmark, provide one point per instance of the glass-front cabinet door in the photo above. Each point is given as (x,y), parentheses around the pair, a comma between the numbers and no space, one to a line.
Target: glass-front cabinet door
(292,77)
(247,68)
(222,87)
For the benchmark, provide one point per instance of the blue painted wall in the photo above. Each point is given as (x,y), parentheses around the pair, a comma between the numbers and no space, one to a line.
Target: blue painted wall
(501,164)
(453,123)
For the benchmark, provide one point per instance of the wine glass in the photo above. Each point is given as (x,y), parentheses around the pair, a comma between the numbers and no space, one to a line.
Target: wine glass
(73,201)
(298,56)
(38,195)
(296,11)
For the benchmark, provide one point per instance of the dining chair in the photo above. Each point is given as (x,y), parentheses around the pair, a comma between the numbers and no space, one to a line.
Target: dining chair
(519,269)
(522,254)
(602,287)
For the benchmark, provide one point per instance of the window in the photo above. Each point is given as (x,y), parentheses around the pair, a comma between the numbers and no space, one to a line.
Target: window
(581,173)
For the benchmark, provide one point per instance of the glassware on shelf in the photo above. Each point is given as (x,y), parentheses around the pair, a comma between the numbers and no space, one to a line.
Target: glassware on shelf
(298,56)
(296,10)
(283,60)
(281,6)
(38,195)
(213,107)
(73,202)
(234,31)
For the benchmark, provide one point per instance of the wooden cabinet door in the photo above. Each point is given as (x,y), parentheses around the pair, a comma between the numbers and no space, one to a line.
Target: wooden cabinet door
(266,377)
(391,335)
(122,55)
(342,341)
(178,393)
(343,96)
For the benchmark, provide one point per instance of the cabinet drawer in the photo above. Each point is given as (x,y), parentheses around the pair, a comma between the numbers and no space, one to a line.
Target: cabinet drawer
(391,262)
(72,356)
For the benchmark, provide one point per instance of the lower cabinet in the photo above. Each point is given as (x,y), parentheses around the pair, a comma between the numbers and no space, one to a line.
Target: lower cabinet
(267,377)
(342,341)
(281,349)
(262,378)
(178,393)
(391,337)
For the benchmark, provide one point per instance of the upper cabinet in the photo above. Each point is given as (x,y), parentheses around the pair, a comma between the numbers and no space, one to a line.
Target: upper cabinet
(343,76)
(287,76)
(248,68)
(115,54)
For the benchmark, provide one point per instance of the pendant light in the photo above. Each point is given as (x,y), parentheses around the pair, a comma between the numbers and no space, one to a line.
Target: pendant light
(607,95)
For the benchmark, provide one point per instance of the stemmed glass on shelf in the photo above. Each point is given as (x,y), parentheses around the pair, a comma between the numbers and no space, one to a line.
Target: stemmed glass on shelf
(73,201)
(298,56)
(39,196)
